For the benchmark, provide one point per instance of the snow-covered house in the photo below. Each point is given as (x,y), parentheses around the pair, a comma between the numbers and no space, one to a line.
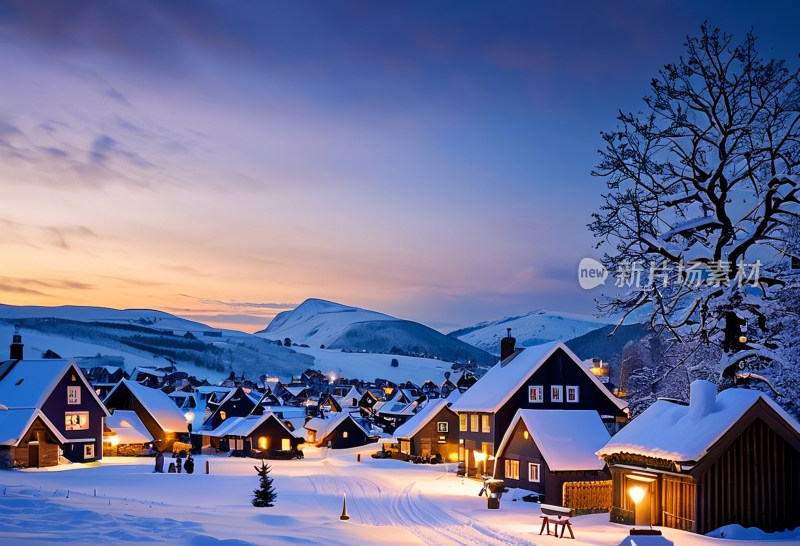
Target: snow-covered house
(544,377)
(338,432)
(727,458)
(236,403)
(543,449)
(432,430)
(350,398)
(329,403)
(253,433)
(162,418)
(127,435)
(28,438)
(58,388)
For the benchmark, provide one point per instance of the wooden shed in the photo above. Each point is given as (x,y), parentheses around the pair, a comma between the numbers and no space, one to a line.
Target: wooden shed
(28,438)
(732,458)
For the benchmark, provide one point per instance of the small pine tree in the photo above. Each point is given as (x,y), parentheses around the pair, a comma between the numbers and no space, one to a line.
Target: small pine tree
(265,494)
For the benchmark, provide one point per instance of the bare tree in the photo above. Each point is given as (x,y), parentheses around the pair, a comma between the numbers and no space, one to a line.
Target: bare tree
(702,187)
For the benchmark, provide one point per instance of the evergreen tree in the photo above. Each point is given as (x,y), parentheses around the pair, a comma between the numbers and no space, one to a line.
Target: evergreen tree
(265,494)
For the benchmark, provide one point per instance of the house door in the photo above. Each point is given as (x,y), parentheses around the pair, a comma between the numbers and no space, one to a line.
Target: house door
(33,455)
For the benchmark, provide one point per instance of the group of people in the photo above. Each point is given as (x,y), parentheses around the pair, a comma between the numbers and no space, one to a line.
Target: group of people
(177,465)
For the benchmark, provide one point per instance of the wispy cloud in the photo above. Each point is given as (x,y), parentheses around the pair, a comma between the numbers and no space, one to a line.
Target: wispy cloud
(242,304)
(30,286)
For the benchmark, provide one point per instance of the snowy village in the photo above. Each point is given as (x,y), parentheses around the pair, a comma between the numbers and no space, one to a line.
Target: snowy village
(399,273)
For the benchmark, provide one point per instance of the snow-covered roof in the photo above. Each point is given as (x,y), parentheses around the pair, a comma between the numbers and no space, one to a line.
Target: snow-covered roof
(295,391)
(400,408)
(494,389)
(245,426)
(677,432)
(129,428)
(15,422)
(347,398)
(28,383)
(158,404)
(567,439)
(415,424)
(324,427)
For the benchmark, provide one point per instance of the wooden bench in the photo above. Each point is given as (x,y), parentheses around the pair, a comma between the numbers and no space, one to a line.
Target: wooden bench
(557,515)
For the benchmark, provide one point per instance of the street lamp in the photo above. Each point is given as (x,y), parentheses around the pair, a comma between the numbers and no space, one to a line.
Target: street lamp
(480,456)
(637,494)
(189,415)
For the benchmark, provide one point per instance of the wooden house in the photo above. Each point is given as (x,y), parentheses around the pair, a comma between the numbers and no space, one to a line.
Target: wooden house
(127,435)
(547,376)
(727,458)
(237,403)
(28,439)
(433,430)
(162,418)
(338,432)
(543,449)
(254,433)
(62,393)
(329,403)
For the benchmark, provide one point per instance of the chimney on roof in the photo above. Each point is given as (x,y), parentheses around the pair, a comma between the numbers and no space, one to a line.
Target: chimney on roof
(507,345)
(702,398)
(16,345)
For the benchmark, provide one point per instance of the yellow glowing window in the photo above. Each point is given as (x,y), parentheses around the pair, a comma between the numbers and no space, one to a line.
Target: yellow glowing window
(222,415)
(286,444)
(262,442)
(485,427)
(473,422)
(462,422)
(344,434)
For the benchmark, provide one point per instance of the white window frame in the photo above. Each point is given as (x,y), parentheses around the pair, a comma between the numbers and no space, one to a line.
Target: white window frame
(88,451)
(83,418)
(73,395)
(442,426)
(556,389)
(538,398)
(474,423)
(573,389)
(534,471)
(486,424)
(512,469)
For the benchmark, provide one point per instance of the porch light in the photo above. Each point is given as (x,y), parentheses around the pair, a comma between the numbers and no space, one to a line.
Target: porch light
(636,494)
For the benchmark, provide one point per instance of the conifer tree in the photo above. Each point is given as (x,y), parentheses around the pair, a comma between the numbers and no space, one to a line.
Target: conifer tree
(265,494)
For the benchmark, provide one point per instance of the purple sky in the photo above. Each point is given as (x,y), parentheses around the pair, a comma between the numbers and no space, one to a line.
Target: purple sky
(225,160)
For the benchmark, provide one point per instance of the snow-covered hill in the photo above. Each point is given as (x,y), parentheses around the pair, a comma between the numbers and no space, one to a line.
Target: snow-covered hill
(318,322)
(531,329)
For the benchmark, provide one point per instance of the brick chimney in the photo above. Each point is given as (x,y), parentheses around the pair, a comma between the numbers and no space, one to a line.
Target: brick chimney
(16,345)
(507,345)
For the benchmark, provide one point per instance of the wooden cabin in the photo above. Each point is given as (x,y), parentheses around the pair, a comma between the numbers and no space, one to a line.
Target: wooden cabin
(543,377)
(57,388)
(28,439)
(254,433)
(159,414)
(543,449)
(338,432)
(727,458)
(432,431)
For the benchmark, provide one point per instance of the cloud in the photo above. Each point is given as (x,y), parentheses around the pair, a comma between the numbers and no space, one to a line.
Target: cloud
(242,304)
(117,96)
(54,152)
(25,286)
(33,235)
(227,319)
(101,147)
(7,129)
(20,290)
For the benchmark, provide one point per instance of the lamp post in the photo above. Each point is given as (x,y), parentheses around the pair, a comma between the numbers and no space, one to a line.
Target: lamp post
(189,419)
(637,494)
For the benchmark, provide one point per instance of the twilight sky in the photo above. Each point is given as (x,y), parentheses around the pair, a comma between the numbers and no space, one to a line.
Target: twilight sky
(226,160)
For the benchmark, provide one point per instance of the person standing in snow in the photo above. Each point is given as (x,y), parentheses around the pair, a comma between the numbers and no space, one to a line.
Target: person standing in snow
(189,464)
(159,463)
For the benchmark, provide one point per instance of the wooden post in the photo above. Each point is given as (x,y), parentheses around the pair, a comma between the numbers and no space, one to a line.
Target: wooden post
(207,467)
(358,457)
(344,515)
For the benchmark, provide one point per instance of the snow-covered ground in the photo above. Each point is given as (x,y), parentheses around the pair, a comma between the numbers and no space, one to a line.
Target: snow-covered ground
(369,366)
(389,502)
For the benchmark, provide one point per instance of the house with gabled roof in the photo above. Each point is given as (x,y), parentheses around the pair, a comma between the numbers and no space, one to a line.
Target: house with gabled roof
(727,458)
(337,432)
(543,449)
(127,435)
(254,433)
(237,403)
(546,376)
(162,418)
(28,439)
(433,430)
(58,388)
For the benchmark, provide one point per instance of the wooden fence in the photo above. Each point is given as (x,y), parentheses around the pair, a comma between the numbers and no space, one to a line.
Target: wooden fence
(587,497)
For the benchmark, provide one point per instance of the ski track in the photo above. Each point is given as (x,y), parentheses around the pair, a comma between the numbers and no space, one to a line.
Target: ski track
(410,510)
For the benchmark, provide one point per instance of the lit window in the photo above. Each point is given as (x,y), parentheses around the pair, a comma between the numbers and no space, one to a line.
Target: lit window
(485,427)
(462,422)
(572,394)
(76,420)
(535,393)
(262,442)
(344,434)
(533,472)
(556,393)
(88,451)
(73,395)
(473,422)
(512,469)
(286,444)
(525,434)
(222,415)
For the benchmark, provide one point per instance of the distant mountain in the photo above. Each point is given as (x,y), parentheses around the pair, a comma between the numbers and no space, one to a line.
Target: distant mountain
(318,322)
(598,344)
(531,329)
